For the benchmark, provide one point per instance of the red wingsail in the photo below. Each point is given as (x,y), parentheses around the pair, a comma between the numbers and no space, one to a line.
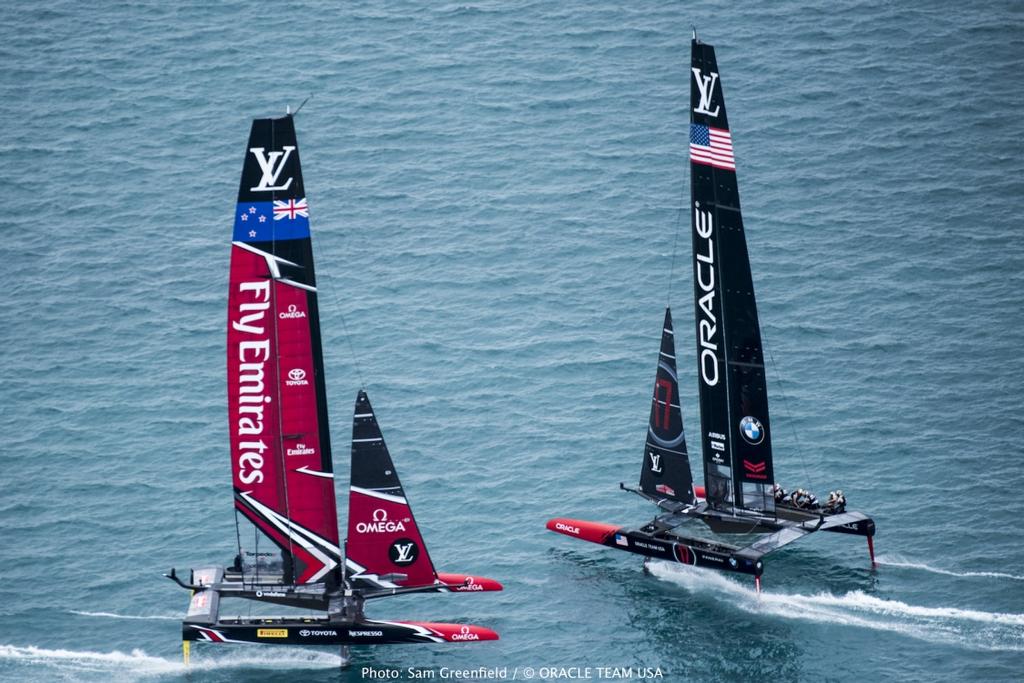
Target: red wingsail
(280,443)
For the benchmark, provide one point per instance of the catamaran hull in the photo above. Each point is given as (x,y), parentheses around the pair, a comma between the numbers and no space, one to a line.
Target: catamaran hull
(323,632)
(691,551)
(725,523)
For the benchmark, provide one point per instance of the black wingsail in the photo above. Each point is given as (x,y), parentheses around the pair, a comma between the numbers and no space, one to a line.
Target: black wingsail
(666,469)
(736,433)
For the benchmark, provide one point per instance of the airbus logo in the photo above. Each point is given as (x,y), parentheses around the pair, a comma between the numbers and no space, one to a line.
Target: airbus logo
(271,165)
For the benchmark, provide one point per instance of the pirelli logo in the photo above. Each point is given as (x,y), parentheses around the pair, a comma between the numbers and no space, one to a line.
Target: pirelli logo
(272,633)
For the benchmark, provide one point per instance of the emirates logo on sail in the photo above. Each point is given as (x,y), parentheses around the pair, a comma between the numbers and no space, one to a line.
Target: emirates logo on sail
(301,449)
(253,354)
(704,275)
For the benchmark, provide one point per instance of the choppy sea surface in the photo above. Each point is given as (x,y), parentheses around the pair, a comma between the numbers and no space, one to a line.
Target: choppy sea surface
(495,192)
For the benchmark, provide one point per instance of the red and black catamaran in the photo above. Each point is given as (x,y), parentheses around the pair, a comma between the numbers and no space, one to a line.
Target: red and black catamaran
(283,472)
(739,495)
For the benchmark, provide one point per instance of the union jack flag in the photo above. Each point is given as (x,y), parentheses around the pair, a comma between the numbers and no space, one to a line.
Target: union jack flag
(711,147)
(290,209)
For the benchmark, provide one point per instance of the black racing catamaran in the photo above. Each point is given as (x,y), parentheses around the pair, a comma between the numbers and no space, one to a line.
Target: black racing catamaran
(281,460)
(740,494)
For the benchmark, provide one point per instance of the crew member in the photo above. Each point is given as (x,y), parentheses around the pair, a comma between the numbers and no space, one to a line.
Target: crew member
(779,493)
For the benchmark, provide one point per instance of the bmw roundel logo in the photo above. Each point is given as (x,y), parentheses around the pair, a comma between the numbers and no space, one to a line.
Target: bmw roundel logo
(752,430)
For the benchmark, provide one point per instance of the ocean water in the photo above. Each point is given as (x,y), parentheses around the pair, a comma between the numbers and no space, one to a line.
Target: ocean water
(495,191)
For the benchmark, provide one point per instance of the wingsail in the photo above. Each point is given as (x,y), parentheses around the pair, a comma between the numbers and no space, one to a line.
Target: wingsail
(277,409)
(736,438)
(383,538)
(666,469)
(384,548)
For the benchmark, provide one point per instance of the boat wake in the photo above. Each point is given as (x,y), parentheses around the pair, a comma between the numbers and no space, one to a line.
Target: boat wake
(111,615)
(973,629)
(139,664)
(898,562)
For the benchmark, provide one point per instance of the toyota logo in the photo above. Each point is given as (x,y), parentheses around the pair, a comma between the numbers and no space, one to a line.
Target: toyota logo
(304,632)
(296,374)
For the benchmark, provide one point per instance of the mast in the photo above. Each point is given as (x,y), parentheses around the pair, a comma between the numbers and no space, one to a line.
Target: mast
(735,429)
(666,467)
(277,409)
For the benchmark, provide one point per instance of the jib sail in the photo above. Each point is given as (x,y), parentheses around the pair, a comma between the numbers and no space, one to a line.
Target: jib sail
(384,547)
(666,469)
(735,429)
(277,408)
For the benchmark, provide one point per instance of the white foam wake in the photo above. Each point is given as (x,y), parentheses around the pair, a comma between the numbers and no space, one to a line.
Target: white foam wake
(111,615)
(894,562)
(974,629)
(139,664)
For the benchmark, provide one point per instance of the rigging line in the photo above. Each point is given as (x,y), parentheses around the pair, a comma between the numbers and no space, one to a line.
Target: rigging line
(238,540)
(788,415)
(303,104)
(328,279)
(675,242)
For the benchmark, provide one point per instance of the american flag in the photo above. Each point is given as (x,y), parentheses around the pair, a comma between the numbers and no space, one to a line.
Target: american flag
(667,490)
(290,209)
(711,147)
(621,540)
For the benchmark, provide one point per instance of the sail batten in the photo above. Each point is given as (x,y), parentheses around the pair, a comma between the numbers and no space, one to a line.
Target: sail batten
(276,392)
(735,427)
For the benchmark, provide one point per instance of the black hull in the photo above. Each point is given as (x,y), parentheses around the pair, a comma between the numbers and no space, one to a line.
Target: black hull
(303,631)
(752,523)
(651,542)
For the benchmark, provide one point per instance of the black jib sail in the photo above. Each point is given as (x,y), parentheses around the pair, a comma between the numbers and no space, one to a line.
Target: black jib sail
(382,534)
(735,429)
(666,468)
